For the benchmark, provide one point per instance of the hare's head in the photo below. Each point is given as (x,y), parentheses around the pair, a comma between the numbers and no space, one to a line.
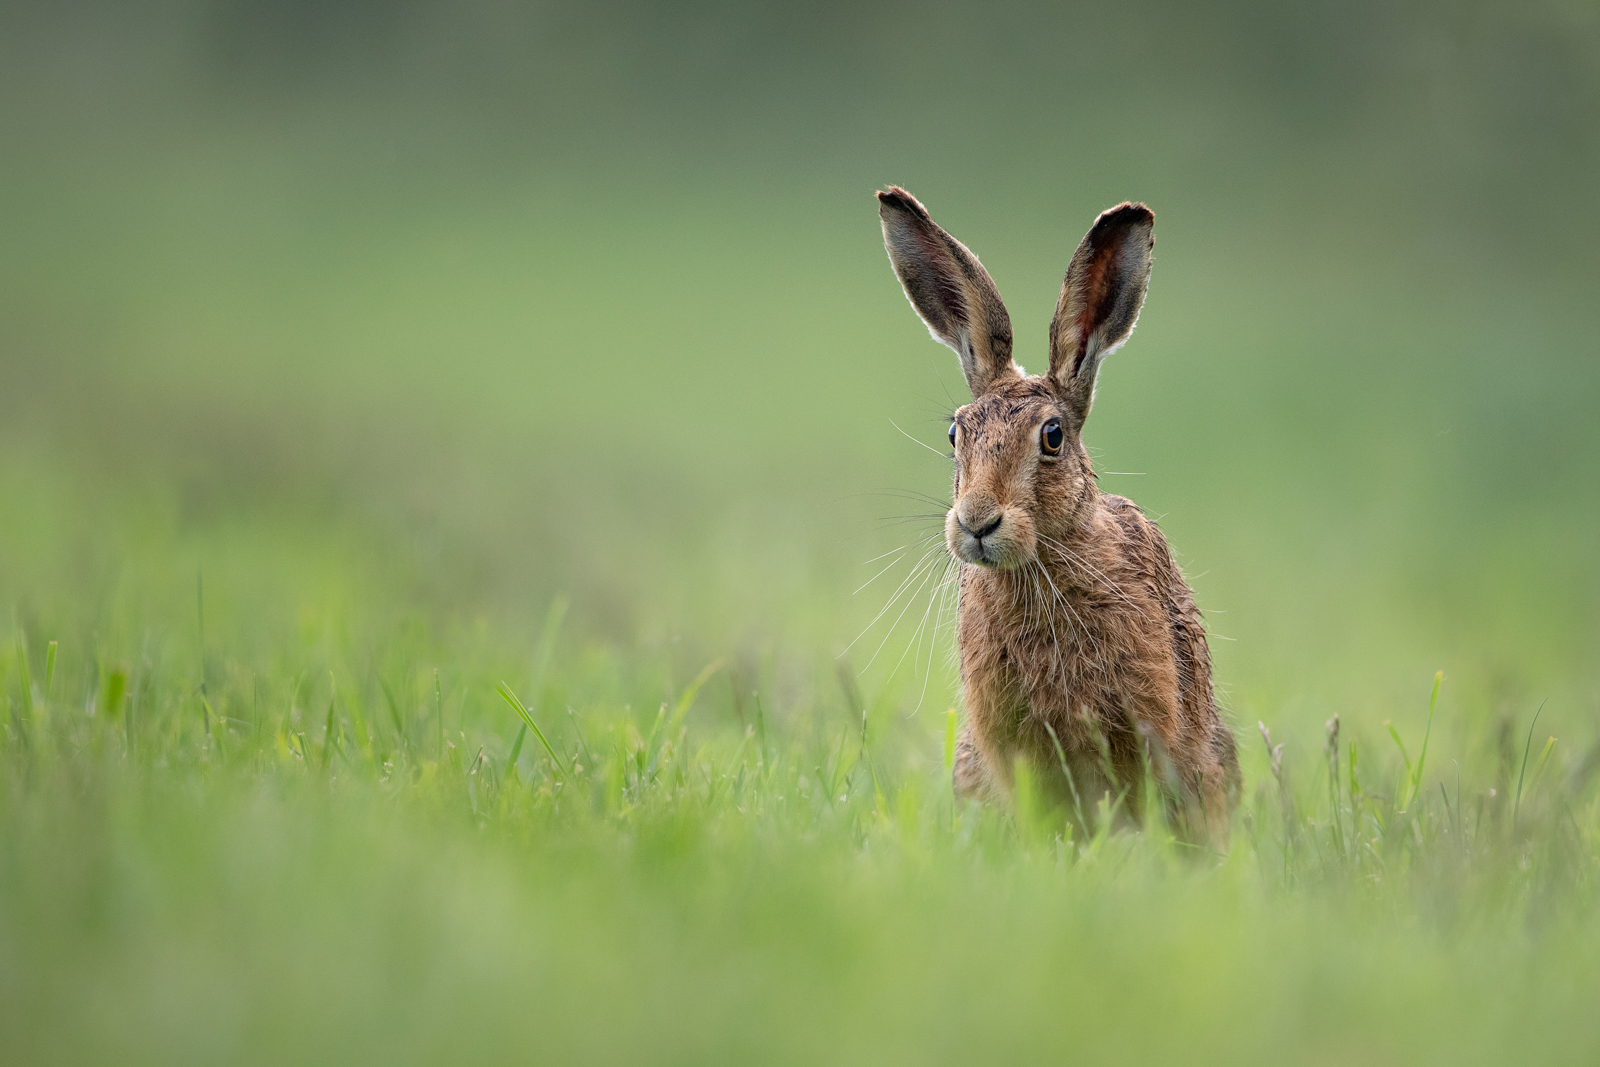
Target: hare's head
(1021,469)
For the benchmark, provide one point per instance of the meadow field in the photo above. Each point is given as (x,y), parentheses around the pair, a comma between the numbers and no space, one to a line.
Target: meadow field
(467,476)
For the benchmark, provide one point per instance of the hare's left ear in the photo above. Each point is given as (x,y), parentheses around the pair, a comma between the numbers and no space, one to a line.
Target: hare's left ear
(1100,301)
(951,291)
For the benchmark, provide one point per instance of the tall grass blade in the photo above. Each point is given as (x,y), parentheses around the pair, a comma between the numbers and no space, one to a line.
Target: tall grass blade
(516,749)
(1516,806)
(327,732)
(112,691)
(527,717)
(690,691)
(394,708)
(1544,758)
(1405,779)
(1422,757)
(26,676)
(438,707)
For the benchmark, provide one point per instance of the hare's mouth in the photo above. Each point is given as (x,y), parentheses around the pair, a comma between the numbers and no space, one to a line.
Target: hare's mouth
(993,552)
(994,560)
(996,541)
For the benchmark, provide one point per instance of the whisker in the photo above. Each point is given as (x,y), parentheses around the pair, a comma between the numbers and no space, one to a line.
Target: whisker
(888,522)
(928,569)
(917,569)
(880,574)
(904,494)
(924,444)
(1055,638)
(916,635)
(1095,572)
(933,635)
(874,559)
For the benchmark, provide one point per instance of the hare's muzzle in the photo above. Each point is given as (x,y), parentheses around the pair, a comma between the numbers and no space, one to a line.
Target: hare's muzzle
(984,535)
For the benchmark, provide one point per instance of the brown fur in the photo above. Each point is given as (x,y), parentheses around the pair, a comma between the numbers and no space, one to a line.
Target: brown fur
(1081,649)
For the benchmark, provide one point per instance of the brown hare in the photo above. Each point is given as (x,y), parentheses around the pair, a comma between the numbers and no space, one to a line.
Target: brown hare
(1081,649)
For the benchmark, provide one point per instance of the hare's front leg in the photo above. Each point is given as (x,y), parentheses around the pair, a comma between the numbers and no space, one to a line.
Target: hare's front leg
(970,777)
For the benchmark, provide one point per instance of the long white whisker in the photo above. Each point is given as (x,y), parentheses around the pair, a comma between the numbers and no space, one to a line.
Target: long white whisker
(933,635)
(924,444)
(916,635)
(912,599)
(916,642)
(880,574)
(892,599)
(1055,638)
(1082,628)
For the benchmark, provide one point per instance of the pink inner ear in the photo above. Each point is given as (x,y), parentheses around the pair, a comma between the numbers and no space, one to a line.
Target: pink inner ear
(1096,295)
(1094,284)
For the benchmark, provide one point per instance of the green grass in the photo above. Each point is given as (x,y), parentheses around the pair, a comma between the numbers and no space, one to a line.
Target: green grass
(290,866)
(436,465)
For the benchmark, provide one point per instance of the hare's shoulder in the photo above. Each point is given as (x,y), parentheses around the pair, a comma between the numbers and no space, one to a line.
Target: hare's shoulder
(1146,556)
(1142,550)
(1134,530)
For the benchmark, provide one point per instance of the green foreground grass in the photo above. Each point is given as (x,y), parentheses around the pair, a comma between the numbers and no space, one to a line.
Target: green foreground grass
(200,863)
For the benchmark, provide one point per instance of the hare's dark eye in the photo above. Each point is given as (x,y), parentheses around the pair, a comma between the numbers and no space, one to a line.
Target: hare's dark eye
(1050,438)
(952,435)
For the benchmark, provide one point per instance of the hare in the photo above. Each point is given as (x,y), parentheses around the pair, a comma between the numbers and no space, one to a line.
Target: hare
(1080,646)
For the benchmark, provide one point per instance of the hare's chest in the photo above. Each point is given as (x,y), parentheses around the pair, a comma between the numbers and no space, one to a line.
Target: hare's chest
(1034,669)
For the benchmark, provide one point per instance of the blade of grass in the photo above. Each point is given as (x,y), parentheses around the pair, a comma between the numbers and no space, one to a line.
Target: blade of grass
(1422,757)
(112,690)
(438,707)
(516,749)
(691,691)
(1544,757)
(26,677)
(200,611)
(327,730)
(394,708)
(527,717)
(1405,780)
(1516,806)
(1072,786)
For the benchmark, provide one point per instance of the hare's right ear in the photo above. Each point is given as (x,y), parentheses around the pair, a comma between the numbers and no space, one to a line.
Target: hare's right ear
(950,290)
(1100,301)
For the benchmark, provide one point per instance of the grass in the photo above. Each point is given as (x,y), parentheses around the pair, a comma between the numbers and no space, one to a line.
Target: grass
(434,476)
(334,863)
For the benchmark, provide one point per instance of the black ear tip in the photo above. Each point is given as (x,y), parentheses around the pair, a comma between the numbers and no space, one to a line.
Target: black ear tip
(1121,222)
(1127,213)
(900,200)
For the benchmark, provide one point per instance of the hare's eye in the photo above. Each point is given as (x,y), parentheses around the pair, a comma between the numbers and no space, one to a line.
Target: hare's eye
(952,435)
(1050,438)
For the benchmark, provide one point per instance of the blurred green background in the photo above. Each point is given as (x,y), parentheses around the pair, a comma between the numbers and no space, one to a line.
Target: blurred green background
(446,308)
(391,322)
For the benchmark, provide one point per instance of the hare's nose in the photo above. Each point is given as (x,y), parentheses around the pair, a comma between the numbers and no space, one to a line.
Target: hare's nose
(980,532)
